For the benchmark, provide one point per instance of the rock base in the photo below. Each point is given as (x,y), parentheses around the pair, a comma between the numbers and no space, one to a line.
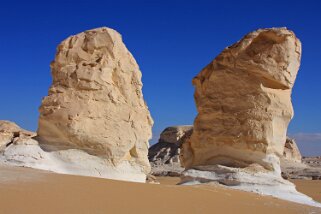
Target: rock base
(294,170)
(251,179)
(71,161)
(171,170)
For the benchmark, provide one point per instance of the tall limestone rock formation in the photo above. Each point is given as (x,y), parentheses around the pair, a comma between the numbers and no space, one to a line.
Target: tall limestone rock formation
(95,102)
(243,98)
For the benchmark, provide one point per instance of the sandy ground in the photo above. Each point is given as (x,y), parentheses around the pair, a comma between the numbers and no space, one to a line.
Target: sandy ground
(26,191)
(310,188)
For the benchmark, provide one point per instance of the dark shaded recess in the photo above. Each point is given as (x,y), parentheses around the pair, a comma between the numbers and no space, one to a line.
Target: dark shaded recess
(155,150)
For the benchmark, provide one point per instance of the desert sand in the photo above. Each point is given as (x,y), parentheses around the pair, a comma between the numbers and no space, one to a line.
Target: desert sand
(25,190)
(310,187)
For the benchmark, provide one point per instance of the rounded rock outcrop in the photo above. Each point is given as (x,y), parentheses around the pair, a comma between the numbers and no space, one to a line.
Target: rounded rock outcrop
(291,151)
(95,102)
(11,132)
(164,155)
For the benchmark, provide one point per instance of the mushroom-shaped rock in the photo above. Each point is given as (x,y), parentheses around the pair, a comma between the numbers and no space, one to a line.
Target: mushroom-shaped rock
(243,99)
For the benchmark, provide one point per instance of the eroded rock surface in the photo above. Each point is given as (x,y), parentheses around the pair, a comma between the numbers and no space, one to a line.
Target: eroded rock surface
(309,168)
(164,155)
(12,133)
(95,102)
(312,161)
(243,99)
(94,121)
(291,151)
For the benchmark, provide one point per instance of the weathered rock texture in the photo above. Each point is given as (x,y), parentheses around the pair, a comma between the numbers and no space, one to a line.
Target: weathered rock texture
(291,151)
(312,161)
(164,155)
(167,149)
(11,133)
(175,134)
(243,99)
(307,168)
(95,102)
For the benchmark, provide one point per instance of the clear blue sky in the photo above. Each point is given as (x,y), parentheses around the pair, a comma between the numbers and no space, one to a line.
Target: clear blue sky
(171,41)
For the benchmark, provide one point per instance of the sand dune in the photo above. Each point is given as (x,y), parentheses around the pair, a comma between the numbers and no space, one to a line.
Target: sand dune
(24,190)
